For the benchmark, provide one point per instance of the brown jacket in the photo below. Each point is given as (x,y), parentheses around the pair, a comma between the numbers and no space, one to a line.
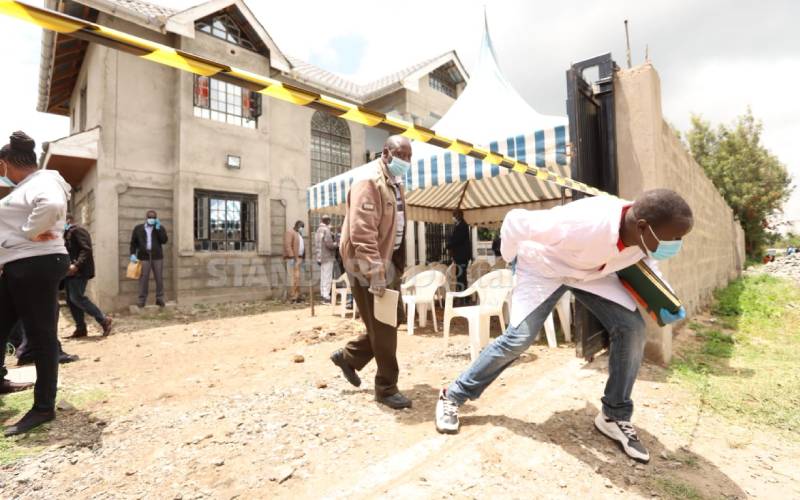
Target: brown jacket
(370,225)
(291,244)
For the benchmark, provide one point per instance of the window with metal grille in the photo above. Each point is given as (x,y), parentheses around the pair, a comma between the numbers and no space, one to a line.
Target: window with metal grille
(436,237)
(225,102)
(222,26)
(225,222)
(438,80)
(330,154)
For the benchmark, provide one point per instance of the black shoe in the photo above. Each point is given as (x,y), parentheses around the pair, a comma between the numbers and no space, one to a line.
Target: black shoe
(396,401)
(7,386)
(31,420)
(349,373)
(79,333)
(67,358)
(161,304)
(24,360)
(107,325)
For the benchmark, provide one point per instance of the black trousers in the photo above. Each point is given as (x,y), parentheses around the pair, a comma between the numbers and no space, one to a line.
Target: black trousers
(79,304)
(29,292)
(380,340)
(461,271)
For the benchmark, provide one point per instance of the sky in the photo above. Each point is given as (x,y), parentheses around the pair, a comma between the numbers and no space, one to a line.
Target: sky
(715,57)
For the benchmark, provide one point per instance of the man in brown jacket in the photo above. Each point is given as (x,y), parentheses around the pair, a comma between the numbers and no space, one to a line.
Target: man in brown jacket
(374,256)
(293,255)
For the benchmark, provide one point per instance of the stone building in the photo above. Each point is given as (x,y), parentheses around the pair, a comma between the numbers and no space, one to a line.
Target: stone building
(225,168)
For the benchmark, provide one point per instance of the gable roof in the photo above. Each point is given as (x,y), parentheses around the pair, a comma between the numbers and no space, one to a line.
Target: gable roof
(363,93)
(182,23)
(167,20)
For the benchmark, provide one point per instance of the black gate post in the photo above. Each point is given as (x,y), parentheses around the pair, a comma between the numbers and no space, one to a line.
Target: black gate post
(593,160)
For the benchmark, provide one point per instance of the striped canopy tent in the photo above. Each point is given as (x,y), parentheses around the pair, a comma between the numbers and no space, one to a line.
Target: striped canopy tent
(444,181)
(488,109)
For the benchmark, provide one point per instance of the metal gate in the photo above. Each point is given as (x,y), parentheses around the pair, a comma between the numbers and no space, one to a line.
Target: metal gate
(590,108)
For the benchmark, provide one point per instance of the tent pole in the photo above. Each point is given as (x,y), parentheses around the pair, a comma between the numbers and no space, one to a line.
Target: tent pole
(311,267)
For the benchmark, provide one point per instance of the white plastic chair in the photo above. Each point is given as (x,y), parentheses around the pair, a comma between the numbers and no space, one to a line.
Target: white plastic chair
(477,270)
(421,291)
(341,294)
(441,293)
(494,290)
(564,309)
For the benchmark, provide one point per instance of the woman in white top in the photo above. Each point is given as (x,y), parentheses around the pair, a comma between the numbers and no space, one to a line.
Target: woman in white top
(34,260)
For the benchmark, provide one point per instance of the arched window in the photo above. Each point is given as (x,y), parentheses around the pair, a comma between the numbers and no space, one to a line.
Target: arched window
(330,147)
(330,155)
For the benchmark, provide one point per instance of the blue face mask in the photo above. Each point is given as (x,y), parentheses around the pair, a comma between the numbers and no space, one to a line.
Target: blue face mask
(67,226)
(398,167)
(151,222)
(665,249)
(5,181)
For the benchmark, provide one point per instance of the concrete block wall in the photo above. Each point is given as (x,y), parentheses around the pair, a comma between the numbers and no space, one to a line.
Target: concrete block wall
(651,156)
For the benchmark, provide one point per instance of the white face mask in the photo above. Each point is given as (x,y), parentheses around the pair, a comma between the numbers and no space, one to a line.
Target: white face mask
(4,180)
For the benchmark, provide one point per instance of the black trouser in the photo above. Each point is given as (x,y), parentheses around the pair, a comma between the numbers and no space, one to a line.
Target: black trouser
(462,283)
(23,351)
(461,277)
(79,304)
(29,292)
(380,339)
(379,342)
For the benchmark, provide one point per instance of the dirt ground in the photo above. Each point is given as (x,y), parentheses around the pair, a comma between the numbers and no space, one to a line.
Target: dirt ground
(251,407)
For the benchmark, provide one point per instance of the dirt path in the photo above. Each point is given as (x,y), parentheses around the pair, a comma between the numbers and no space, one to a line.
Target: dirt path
(221,409)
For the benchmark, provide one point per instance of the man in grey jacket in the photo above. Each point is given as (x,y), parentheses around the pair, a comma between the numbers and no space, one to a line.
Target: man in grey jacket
(325,252)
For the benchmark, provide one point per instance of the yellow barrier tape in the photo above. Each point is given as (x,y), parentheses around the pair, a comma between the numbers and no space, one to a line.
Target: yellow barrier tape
(334,103)
(253,78)
(279,91)
(162,54)
(521,168)
(416,134)
(460,147)
(170,57)
(363,117)
(40,17)
(127,39)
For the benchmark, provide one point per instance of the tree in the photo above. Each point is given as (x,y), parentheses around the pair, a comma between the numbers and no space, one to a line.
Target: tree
(750,178)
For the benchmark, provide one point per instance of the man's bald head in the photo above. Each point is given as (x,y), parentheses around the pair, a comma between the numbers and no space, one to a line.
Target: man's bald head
(396,145)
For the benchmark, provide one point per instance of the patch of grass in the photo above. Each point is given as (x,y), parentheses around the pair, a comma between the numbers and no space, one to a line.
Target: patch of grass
(748,370)
(13,406)
(672,488)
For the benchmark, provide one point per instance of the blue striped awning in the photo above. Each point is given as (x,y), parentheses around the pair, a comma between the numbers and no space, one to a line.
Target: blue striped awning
(446,180)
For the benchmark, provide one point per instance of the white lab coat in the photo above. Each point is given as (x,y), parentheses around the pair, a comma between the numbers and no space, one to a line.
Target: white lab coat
(574,245)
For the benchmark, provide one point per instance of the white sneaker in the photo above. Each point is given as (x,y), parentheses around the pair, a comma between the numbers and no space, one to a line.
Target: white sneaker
(446,414)
(624,434)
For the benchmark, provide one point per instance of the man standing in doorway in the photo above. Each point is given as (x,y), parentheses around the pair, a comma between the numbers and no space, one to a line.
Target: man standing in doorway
(81,270)
(294,252)
(460,248)
(147,241)
(326,257)
(374,256)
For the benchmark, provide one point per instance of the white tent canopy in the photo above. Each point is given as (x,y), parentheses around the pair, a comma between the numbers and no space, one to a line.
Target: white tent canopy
(488,112)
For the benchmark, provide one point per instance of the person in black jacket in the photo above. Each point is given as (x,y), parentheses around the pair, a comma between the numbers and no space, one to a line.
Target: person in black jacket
(147,241)
(460,248)
(81,270)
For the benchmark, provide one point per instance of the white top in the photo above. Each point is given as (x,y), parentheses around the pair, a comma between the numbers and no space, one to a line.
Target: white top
(573,244)
(38,204)
(302,246)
